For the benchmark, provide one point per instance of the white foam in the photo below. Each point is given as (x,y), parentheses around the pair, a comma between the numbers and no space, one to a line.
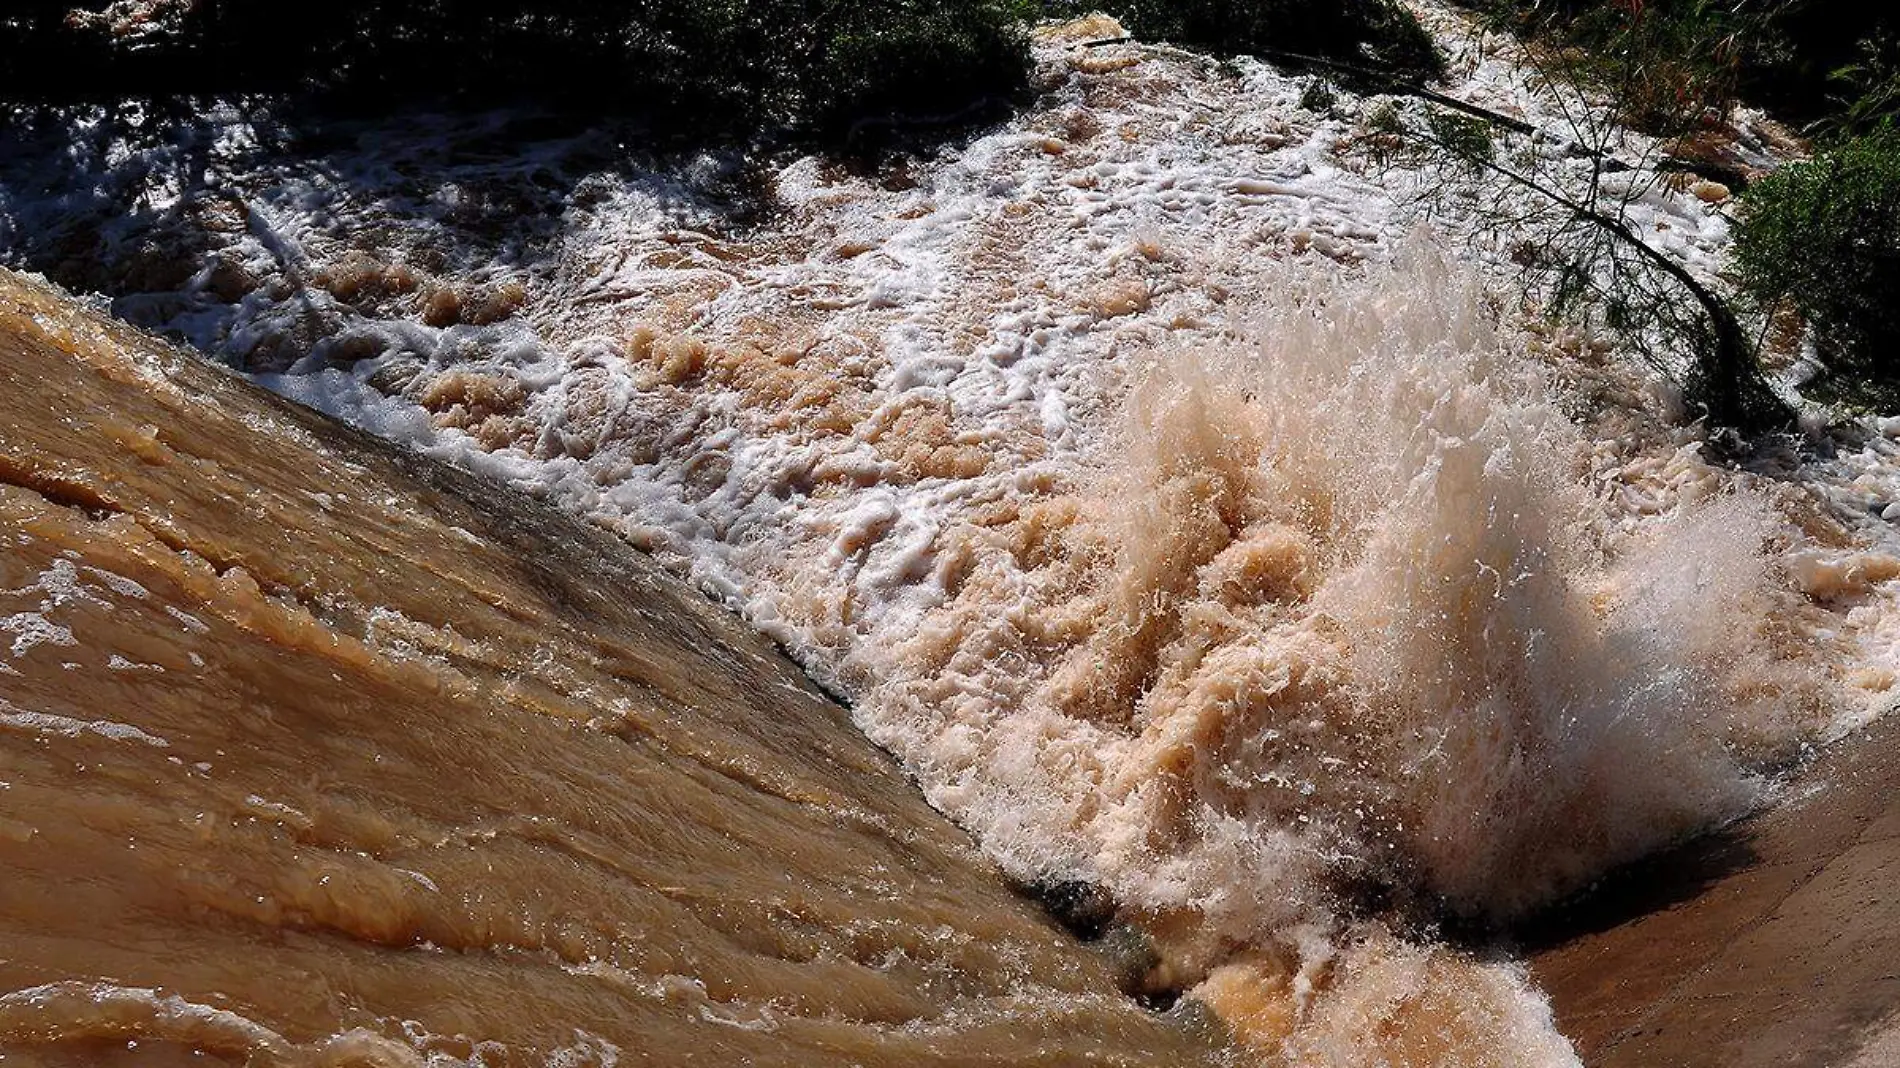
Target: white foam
(65,726)
(1472,652)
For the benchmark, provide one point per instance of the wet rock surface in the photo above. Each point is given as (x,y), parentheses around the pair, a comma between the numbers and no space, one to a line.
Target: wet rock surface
(1774,942)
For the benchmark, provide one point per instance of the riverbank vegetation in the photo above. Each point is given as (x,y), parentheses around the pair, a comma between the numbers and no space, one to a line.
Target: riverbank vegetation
(714,65)
(1815,63)
(719,64)
(1821,239)
(1817,243)
(1380,34)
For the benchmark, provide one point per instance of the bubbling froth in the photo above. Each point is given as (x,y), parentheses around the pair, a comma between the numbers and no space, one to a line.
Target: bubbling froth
(1342,612)
(1338,607)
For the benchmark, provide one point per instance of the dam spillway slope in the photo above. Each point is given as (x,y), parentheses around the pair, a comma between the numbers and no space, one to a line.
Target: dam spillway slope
(313,751)
(1771,942)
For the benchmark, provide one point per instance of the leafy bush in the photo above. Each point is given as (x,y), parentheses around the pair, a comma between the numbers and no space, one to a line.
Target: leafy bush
(1664,63)
(813,62)
(1811,61)
(1319,97)
(825,64)
(1465,138)
(1823,237)
(1816,61)
(1376,33)
(931,56)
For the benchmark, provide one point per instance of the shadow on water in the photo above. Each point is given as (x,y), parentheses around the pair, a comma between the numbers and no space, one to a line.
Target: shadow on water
(181,209)
(180,157)
(1653,884)
(168,176)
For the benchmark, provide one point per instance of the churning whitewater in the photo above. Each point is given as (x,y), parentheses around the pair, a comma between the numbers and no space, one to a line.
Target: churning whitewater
(1192,522)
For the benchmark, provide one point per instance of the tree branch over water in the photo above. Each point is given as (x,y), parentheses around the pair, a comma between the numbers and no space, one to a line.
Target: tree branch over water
(1724,377)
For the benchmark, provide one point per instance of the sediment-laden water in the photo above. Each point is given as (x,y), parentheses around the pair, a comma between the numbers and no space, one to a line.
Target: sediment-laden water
(313,756)
(1195,520)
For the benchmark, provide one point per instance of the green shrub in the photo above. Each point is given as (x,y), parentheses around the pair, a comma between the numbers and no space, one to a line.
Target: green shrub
(1319,97)
(1379,33)
(929,56)
(816,63)
(1816,61)
(1376,33)
(826,64)
(1663,62)
(1809,61)
(1823,238)
(1468,139)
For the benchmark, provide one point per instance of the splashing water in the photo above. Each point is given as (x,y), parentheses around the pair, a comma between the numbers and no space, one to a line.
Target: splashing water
(1282,601)
(1336,605)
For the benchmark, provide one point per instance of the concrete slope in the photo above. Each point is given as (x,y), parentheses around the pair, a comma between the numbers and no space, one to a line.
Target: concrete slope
(314,752)
(1775,943)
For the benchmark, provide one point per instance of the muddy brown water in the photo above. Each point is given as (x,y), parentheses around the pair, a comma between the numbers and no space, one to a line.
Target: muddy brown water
(312,752)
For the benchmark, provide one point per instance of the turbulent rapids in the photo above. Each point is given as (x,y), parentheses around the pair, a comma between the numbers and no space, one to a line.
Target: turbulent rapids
(1205,533)
(1334,606)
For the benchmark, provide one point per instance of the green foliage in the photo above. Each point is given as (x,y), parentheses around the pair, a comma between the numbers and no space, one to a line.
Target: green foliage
(1667,65)
(819,63)
(1384,118)
(1664,62)
(1868,89)
(1824,62)
(1823,238)
(1319,97)
(1380,33)
(1376,33)
(1468,139)
(828,65)
(912,58)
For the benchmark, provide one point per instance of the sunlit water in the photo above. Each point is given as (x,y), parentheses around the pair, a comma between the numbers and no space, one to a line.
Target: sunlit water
(1192,517)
